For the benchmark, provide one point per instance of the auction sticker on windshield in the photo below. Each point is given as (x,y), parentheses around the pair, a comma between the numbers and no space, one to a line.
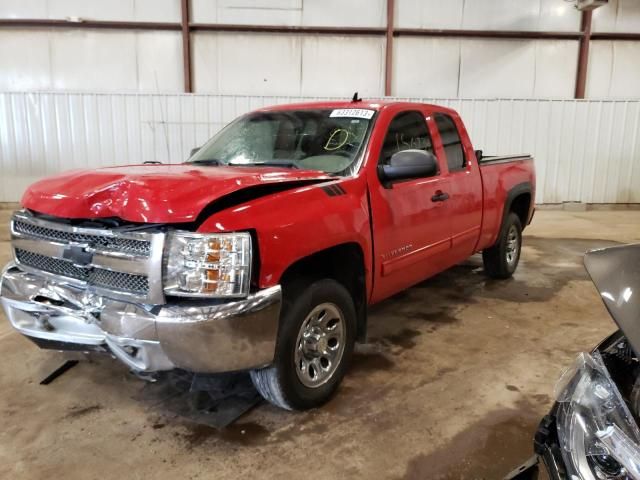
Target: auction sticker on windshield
(353,113)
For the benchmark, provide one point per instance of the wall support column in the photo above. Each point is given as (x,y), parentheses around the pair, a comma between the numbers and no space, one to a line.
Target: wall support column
(583,54)
(388,64)
(186,46)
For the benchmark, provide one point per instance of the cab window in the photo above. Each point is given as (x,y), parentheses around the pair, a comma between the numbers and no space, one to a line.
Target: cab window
(407,131)
(451,142)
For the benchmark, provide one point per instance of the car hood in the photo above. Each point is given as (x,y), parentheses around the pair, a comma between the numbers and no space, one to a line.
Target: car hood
(155,193)
(615,272)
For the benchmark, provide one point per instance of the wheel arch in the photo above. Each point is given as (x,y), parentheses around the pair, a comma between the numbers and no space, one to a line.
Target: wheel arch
(519,200)
(343,263)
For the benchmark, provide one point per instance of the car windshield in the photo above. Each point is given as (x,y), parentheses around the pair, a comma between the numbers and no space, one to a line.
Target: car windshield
(329,140)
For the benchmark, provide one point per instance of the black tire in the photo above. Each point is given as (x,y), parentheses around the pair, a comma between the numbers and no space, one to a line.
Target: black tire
(279,383)
(496,259)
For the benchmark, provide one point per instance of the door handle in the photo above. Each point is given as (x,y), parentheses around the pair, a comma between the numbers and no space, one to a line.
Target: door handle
(440,196)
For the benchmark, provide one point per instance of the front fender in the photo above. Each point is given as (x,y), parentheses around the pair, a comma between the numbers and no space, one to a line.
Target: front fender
(296,223)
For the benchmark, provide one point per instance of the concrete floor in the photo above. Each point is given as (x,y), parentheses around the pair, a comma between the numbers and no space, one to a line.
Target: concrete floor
(458,371)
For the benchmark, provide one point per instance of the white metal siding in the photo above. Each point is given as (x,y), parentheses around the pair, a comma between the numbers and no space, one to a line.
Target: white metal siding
(280,64)
(552,15)
(613,70)
(326,13)
(586,151)
(228,63)
(617,16)
(90,60)
(482,68)
(113,10)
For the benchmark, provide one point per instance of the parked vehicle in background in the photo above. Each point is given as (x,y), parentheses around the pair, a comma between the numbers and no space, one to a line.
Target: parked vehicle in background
(592,430)
(263,250)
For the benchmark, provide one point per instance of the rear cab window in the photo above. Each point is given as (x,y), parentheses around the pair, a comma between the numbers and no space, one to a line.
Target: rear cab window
(451,142)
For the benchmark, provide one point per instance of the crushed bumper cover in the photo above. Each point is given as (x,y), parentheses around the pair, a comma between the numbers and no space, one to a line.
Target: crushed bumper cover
(199,336)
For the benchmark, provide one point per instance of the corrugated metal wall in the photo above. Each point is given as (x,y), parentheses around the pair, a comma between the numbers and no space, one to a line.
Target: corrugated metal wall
(586,150)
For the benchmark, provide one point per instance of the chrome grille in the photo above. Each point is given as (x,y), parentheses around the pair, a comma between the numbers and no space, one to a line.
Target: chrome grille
(51,265)
(119,281)
(124,282)
(117,244)
(119,262)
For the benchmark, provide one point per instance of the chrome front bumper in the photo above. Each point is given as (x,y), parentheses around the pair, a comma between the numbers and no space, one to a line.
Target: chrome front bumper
(199,336)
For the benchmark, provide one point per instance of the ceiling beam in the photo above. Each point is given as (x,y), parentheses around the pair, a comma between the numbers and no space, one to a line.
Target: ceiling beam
(88,24)
(224,27)
(508,34)
(367,31)
(615,36)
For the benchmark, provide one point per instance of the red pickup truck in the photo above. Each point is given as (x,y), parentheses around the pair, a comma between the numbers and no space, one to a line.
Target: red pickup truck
(263,250)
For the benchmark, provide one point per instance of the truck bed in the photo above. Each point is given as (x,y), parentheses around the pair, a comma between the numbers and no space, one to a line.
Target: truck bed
(503,176)
(491,159)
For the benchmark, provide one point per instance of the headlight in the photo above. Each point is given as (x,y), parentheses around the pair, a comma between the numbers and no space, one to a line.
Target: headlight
(598,435)
(207,265)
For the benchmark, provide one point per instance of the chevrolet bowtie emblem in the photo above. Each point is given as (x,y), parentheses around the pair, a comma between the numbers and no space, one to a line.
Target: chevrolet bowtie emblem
(78,255)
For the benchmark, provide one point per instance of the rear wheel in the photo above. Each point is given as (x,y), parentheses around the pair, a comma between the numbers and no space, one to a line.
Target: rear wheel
(315,342)
(501,260)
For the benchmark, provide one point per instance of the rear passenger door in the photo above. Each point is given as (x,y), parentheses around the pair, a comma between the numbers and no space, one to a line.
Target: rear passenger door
(465,184)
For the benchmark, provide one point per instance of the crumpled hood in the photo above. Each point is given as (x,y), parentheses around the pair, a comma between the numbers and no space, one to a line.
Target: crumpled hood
(615,272)
(151,193)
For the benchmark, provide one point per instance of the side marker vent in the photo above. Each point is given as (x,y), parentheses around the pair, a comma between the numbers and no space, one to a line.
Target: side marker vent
(334,190)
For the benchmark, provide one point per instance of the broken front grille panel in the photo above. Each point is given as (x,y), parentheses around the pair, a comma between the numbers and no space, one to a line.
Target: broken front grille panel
(99,277)
(51,265)
(120,262)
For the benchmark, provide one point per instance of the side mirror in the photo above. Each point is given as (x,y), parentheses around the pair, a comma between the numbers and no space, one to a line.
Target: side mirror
(193,151)
(409,164)
(478,155)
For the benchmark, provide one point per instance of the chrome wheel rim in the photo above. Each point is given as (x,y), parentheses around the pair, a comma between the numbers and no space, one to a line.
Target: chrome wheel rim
(320,345)
(513,245)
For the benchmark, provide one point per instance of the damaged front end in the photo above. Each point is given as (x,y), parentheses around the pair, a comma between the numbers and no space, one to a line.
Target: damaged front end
(118,291)
(592,430)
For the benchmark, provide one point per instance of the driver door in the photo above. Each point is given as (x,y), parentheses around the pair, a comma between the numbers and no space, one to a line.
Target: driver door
(411,226)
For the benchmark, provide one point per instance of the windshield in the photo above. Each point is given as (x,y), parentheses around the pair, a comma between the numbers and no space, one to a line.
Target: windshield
(328,140)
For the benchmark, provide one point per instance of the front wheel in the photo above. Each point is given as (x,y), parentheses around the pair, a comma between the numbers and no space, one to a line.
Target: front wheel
(501,260)
(315,342)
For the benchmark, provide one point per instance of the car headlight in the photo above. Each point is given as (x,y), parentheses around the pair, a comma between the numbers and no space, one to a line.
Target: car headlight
(598,436)
(207,265)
